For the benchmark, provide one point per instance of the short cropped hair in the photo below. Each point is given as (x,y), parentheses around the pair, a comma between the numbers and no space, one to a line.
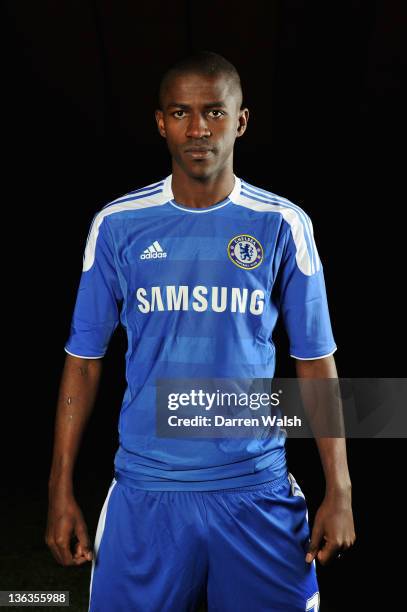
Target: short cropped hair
(206,63)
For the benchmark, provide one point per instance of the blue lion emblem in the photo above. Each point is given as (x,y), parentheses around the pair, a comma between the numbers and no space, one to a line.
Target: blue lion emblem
(246,251)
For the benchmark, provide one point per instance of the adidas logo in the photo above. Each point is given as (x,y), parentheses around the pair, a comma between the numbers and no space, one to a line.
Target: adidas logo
(154,251)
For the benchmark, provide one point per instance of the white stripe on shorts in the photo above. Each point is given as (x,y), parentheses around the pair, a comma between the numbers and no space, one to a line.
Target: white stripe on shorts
(99,534)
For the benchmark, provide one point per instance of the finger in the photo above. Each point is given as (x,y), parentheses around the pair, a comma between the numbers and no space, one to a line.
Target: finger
(315,543)
(82,555)
(62,531)
(57,545)
(79,559)
(55,553)
(50,543)
(78,551)
(328,553)
(83,547)
(64,551)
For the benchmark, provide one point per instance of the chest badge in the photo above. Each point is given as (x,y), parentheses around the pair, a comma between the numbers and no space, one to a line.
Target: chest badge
(245,251)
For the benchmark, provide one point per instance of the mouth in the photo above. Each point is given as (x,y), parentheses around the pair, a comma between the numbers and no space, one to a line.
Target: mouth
(198,152)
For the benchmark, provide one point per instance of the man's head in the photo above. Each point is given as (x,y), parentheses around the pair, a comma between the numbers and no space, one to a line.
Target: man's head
(200,113)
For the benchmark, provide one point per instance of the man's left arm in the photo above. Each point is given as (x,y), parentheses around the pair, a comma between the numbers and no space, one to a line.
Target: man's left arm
(333,529)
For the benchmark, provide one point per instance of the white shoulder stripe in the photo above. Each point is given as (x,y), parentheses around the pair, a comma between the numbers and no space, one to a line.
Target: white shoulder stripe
(265,196)
(149,201)
(137,192)
(292,217)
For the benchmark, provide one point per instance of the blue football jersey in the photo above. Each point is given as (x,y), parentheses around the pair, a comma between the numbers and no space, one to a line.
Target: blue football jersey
(198,292)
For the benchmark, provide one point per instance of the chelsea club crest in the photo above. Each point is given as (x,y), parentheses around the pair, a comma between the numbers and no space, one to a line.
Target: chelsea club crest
(245,251)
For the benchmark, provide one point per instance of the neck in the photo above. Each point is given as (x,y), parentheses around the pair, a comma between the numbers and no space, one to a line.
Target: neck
(201,192)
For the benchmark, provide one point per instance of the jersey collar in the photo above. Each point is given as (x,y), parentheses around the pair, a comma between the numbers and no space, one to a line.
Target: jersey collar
(169,196)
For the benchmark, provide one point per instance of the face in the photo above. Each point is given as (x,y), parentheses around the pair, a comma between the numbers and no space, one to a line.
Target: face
(201,120)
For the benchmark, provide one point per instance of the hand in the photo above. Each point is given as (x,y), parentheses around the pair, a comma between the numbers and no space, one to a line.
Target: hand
(334,524)
(64,521)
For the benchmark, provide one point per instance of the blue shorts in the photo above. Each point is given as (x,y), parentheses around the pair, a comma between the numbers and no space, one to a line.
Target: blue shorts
(240,549)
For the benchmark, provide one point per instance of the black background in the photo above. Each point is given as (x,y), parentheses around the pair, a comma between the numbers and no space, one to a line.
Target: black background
(322,81)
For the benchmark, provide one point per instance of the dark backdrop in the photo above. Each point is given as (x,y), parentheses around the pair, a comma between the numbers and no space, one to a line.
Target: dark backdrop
(322,82)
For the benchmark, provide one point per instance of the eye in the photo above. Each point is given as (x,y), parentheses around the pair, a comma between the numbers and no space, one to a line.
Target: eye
(217,111)
(176,115)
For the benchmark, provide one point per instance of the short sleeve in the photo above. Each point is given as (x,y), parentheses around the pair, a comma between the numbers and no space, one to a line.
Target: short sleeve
(302,296)
(96,313)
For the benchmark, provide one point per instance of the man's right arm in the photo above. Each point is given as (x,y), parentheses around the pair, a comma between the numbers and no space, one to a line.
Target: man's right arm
(76,399)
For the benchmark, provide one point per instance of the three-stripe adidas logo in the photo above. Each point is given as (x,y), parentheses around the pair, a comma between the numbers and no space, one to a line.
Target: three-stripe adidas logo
(154,251)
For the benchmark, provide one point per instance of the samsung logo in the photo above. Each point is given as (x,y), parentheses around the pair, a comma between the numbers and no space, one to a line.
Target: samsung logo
(215,299)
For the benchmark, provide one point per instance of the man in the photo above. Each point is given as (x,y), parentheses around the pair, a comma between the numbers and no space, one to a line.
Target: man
(197,267)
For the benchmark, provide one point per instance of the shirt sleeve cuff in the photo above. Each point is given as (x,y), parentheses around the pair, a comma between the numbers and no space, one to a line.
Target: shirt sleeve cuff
(84,356)
(315,357)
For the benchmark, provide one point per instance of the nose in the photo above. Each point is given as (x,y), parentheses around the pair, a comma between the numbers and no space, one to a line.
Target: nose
(197,126)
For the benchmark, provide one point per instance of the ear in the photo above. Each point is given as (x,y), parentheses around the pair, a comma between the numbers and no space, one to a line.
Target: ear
(159,117)
(243,119)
